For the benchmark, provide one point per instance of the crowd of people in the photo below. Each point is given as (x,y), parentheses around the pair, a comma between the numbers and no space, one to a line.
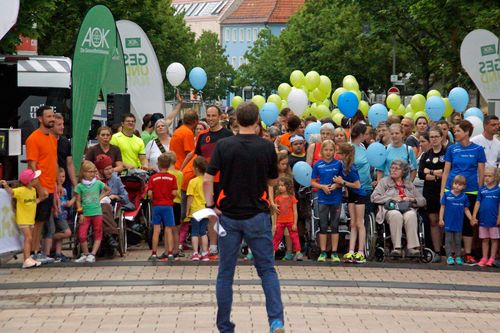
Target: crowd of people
(436,165)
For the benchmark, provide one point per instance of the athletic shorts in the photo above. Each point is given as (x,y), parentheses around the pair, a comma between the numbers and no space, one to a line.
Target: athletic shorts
(329,216)
(489,232)
(163,215)
(356,198)
(44,209)
(177,213)
(199,228)
(53,225)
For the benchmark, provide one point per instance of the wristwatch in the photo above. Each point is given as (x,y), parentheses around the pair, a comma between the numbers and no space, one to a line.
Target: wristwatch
(210,206)
(343,183)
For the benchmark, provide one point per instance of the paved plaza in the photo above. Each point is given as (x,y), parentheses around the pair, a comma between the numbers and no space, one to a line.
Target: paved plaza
(131,295)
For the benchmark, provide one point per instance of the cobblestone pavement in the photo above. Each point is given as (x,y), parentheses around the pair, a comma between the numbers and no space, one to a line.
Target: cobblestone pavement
(128,295)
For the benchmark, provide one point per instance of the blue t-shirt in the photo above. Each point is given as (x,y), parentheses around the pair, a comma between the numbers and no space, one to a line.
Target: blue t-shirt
(454,206)
(488,210)
(361,162)
(351,177)
(464,161)
(403,153)
(325,172)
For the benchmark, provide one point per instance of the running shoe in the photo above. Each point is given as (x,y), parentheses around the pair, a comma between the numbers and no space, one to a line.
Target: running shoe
(195,257)
(204,257)
(482,262)
(469,260)
(335,257)
(436,258)
(299,256)
(490,262)
(322,257)
(249,256)
(90,258)
(359,258)
(153,257)
(459,261)
(213,256)
(277,327)
(83,258)
(348,257)
(288,256)
(43,258)
(171,257)
(30,262)
(450,261)
(163,256)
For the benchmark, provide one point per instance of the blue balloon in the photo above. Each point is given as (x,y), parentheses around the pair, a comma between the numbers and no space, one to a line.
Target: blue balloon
(474,112)
(198,78)
(435,107)
(376,154)
(312,128)
(459,98)
(377,113)
(269,113)
(348,103)
(302,173)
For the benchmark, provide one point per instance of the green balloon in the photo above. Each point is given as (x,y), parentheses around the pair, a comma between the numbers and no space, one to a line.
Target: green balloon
(319,95)
(401,110)
(326,103)
(283,90)
(337,118)
(297,78)
(322,112)
(311,97)
(357,93)
(351,85)
(409,115)
(284,104)
(364,107)
(433,92)
(409,109)
(312,80)
(275,99)
(420,114)
(393,101)
(417,102)
(325,85)
(336,94)
(448,110)
(259,100)
(349,79)
(237,100)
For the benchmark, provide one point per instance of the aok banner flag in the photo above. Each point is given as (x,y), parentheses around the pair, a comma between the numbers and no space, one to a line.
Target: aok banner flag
(8,15)
(10,237)
(116,77)
(144,77)
(94,49)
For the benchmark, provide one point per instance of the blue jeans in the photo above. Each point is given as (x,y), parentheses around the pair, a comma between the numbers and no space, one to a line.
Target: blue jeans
(256,232)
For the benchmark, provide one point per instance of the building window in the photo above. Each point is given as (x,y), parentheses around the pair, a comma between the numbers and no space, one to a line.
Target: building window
(241,61)
(234,35)
(242,35)
(255,34)
(227,34)
(233,62)
(249,35)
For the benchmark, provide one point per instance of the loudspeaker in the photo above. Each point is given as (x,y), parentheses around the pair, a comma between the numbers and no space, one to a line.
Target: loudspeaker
(116,106)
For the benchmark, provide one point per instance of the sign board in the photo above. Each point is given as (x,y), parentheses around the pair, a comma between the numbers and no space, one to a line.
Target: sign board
(394,78)
(393,90)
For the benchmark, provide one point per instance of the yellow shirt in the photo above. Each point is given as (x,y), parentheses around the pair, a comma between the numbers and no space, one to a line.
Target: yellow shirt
(130,146)
(178,177)
(26,205)
(195,188)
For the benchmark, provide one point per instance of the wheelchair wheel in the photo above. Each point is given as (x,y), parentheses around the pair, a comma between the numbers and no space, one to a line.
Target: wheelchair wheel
(427,255)
(122,238)
(371,236)
(76,249)
(379,254)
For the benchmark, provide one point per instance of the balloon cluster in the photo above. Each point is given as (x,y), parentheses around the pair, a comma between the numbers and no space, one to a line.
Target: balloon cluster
(176,73)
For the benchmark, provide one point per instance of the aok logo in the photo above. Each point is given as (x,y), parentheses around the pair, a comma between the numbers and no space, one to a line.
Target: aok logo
(488,50)
(132,43)
(96,38)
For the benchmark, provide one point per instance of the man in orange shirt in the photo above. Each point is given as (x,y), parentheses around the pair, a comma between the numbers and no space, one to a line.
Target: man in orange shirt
(41,153)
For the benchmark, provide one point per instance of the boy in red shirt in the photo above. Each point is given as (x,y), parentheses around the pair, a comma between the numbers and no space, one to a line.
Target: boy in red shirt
(162,188)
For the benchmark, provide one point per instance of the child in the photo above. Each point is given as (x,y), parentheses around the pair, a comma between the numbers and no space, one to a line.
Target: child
(196,202)
(454,204)
(61,215)
(178,252)
(89,193)
(26,199)
(329,198)
(488,206)
(287,216)
(356,198)
(162,188)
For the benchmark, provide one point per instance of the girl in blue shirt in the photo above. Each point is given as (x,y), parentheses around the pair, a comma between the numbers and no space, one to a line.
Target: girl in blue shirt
(329,198)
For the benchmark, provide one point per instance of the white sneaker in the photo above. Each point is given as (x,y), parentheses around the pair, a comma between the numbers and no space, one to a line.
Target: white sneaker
(90,258)
(83,258)
(30,262)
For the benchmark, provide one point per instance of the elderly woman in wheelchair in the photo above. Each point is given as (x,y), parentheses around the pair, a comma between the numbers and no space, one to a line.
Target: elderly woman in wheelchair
(398,199)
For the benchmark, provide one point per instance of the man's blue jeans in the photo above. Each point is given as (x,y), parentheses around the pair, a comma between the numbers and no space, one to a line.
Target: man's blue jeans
(257,234)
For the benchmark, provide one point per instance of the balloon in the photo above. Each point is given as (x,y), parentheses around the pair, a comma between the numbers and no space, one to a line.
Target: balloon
(336,95)
(417,102)
(283,90)
(325,85)
(337,118)
(420,114)
(312,128)
(409,109)
(302,173)
(326,103)
(434,107)
(269,113)
(237,100)
(410,115)
(393,101)
(319,95)
(348,104)
(297,78)
(448,110)
(335,111)
(312,80)
(376,154)
(357,93)
(459,98)
(274,99)
(474,112)
(176,73)
(198,78)
(321,112)
(433,92)
(350,83)
(297,101)
(259,100)
(348,78)
(284,104)
(363,107)
(400,111)
(478,125)
(377,113)
(390,113)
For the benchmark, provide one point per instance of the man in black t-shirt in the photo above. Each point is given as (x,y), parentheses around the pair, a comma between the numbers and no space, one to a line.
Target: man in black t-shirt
(247,166)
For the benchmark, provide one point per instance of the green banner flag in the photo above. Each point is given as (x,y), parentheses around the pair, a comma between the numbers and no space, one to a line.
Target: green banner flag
(94,50)
(116,78)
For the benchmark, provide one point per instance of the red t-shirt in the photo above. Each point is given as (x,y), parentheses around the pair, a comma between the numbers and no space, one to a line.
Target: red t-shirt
(162,184)
(285,205)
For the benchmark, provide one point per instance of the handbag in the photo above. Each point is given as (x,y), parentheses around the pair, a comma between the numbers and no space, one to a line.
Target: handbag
(402,206)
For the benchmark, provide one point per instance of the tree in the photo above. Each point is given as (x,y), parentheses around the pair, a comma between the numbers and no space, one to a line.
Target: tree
(210,56)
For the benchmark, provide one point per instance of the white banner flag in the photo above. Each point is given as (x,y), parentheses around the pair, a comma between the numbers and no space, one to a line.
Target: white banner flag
(10,239)
(8,15)
(144,77)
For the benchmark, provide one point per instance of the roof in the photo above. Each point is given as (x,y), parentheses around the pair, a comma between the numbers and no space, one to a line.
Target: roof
(200,7)
(263,11)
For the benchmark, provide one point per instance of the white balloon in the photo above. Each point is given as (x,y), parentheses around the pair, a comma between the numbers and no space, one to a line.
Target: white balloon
(478,125)
(297,101)
(176,73)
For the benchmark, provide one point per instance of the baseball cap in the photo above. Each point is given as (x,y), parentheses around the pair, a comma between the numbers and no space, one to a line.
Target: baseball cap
(296,137)
(28,175)
(102,161)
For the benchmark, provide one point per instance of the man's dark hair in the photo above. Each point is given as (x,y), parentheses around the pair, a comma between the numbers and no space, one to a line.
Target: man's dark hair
(310,119)
(127,115)
(42,109)
(284,112)
(190,117)
(293,123)
(146,121)
(219,111)
(489,118)
(164,161)
(443,122)
(247,114)
(357,130)
(466,126)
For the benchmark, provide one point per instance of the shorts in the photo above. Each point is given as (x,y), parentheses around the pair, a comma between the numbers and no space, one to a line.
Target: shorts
(329,216)
(489,232)
(22,226)
(44,209)
(53,225)
(199,228)
(177,213)
(356,198)
(163,215)
(468,230)
(83,228)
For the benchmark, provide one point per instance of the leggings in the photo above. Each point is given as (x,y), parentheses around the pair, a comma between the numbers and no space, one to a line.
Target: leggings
(453,237)
(329,216)
(84,228)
